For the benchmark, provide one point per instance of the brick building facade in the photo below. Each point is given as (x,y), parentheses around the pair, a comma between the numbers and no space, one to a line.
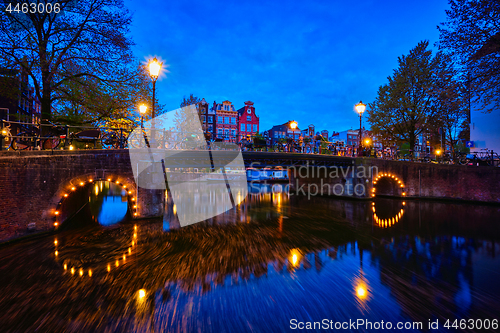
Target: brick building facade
(248,122)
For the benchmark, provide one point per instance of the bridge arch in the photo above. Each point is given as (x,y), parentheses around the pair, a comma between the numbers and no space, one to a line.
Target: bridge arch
(76,188)
(388,184)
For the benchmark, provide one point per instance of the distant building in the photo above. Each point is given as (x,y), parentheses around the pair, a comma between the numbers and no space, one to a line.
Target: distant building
(350,139)
(18,101)
(203,112)
(324,133)
(308,132)
(226,121)
(282,132)
(248,122)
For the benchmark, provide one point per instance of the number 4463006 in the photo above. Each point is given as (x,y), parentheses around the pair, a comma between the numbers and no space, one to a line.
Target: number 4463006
(472,324)
(33,8)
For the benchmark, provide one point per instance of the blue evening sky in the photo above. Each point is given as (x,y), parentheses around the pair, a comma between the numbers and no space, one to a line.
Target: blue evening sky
(310,61)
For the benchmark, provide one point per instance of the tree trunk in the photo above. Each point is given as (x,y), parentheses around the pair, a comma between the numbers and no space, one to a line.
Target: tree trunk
(412,146)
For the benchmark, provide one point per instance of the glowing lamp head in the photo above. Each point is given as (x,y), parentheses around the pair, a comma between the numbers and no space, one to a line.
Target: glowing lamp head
(361,292)
(71,147)
(438,152)
(293,124)
(154,68)
(367,141)
(360,108)
(142,109)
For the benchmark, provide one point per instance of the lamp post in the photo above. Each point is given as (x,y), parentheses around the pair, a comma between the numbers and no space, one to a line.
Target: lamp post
(360,108)
(154,72)
(142,110)
(293,125)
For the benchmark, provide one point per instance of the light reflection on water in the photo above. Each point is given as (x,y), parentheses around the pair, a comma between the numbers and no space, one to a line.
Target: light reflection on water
(272,258)
(108,203)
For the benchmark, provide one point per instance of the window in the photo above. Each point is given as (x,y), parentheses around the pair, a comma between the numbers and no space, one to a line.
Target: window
(210,128)
(219,131)
(226,120)
(219,119)
(210,119)
(226,107)
(242,128)
(226,132)
(249,127)
(233,132)
(233,120)
(276,135)
(203,118)
(249,118)
(255,129)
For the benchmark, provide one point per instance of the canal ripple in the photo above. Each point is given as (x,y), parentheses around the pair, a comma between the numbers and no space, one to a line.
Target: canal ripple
(253,269)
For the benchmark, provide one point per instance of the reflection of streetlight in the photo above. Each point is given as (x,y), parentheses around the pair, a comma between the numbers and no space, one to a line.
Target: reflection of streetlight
(360,108)
(295,257)
(361,291)
(154,72)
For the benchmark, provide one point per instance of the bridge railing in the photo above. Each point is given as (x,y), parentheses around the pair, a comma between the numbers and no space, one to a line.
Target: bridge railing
(28,136)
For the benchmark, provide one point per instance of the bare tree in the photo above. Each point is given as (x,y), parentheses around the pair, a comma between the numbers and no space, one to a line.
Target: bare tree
(85,45)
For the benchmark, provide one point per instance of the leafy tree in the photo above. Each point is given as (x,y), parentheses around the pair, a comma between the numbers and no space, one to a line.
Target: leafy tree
(405,105)
(451,101)
(471,34)
(92,101)
(84,48)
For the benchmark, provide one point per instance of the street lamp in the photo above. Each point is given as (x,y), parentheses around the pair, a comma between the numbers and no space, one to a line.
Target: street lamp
(360,108)
(293,125)
(154,72)
(142,110)
(438,153)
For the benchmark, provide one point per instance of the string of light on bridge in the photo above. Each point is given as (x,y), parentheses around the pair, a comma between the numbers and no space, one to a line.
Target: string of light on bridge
(393,177)
(72,188)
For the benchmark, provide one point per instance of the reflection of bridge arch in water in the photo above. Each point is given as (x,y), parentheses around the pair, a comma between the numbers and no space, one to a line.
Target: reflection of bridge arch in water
(75,184)
(388,184)
(74,266)
(387,222)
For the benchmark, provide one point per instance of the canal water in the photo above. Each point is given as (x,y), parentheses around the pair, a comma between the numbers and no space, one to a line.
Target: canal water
(274,263)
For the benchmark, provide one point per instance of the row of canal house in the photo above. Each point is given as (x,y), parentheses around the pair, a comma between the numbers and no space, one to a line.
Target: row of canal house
(223,121)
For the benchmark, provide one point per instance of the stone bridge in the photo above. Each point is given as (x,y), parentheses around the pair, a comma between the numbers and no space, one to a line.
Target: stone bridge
(40,189)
